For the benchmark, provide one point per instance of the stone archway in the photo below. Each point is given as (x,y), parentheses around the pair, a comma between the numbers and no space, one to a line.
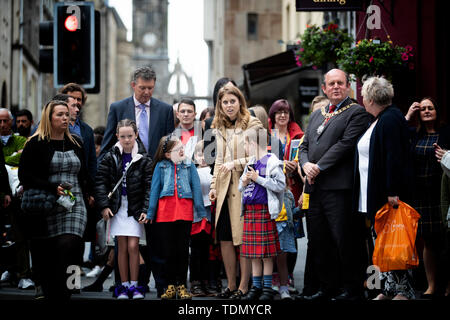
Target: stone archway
(176,77)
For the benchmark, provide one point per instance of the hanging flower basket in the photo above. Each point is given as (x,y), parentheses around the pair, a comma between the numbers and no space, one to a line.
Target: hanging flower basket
(318,46)
(371,57)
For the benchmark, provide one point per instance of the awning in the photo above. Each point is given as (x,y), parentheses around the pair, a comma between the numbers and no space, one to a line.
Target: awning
(269,68)
(279,77)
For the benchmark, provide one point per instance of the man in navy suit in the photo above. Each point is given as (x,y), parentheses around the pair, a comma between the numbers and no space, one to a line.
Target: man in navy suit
(154,120)
(153,117)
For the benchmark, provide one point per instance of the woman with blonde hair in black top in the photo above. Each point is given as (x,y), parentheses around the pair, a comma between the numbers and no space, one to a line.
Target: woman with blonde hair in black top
(53,160)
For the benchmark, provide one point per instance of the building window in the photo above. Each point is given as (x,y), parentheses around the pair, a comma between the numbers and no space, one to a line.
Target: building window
(252,26)
(24,91)
(32,103)
(3,96)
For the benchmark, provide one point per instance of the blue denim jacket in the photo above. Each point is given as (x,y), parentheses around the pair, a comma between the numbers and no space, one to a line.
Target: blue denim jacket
(188,186)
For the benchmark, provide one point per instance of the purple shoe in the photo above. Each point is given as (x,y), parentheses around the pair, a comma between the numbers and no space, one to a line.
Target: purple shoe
(121,292)
(136,293)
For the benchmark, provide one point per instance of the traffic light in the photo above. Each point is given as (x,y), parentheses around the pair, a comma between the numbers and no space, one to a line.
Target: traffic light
(46,39)
(74,40)
(96,88)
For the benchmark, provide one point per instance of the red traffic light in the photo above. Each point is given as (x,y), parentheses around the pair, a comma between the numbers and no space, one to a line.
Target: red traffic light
(71,23)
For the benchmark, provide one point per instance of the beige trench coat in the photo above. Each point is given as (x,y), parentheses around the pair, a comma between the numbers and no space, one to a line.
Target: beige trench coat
(230,147)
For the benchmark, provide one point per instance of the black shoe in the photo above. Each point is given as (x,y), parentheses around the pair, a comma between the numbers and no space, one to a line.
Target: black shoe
(95,287)
(253,294)
(226,294)
(197,291)
(211,291)
(347,296)
(267,294)
(237,295)
(319,296)
(301,297)
(427,296)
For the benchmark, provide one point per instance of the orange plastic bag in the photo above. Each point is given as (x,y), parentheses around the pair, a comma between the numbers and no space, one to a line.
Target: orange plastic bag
(396,229)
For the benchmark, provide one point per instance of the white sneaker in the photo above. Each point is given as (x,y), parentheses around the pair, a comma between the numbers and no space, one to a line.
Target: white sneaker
(94,272)
(275,288)
(26,284)
(5,276)
(285,295)
(137,295)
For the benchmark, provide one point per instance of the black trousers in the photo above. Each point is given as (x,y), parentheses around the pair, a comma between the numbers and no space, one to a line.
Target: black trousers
(155,262)
(199,260)
(311,282)
(17,218)
(51,258)
(175,245)
(334,242)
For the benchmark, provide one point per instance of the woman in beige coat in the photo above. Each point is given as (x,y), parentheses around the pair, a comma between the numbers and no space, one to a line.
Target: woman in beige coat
(232,122)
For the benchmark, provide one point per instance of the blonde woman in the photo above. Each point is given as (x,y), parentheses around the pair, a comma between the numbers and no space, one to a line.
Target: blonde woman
(231,121)
(51,158)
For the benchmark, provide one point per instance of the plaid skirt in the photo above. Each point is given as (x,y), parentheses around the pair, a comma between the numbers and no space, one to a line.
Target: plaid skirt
(260,237)
(427,201)
(64,167)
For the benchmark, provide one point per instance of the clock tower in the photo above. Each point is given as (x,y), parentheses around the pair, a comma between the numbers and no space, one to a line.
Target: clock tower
(150,41)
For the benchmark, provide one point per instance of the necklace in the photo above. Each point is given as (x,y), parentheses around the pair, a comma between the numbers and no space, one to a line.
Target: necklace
(328,116)
(228,138)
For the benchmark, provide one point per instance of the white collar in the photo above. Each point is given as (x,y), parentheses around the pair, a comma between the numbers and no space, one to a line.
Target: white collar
(137,103)
(134,153)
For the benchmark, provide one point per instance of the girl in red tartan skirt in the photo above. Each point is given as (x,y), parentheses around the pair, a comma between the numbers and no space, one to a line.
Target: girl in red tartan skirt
(262,185)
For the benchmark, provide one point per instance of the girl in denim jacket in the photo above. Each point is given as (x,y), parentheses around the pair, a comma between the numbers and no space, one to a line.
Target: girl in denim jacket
(175,193)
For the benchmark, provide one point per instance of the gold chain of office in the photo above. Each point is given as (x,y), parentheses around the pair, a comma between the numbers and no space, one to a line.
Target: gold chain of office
(328,116)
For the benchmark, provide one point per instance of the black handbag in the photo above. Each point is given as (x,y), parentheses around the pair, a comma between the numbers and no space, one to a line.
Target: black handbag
(38,202)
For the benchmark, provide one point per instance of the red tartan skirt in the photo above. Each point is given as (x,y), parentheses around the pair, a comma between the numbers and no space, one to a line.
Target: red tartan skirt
(260,237)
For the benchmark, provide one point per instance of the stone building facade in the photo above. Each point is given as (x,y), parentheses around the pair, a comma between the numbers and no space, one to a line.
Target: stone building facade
(239,32)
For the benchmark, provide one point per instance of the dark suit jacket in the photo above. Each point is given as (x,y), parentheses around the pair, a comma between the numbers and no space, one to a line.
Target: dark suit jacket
(390,168)
(333,150)
(161,123)
(87,134)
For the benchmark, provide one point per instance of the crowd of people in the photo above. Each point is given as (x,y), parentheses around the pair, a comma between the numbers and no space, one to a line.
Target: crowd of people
(158,193)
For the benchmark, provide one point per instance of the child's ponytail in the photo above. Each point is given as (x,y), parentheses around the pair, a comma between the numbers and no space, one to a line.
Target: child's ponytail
(166,144)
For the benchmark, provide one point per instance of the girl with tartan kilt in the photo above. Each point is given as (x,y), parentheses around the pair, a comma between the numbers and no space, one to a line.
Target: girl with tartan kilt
(262,186)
